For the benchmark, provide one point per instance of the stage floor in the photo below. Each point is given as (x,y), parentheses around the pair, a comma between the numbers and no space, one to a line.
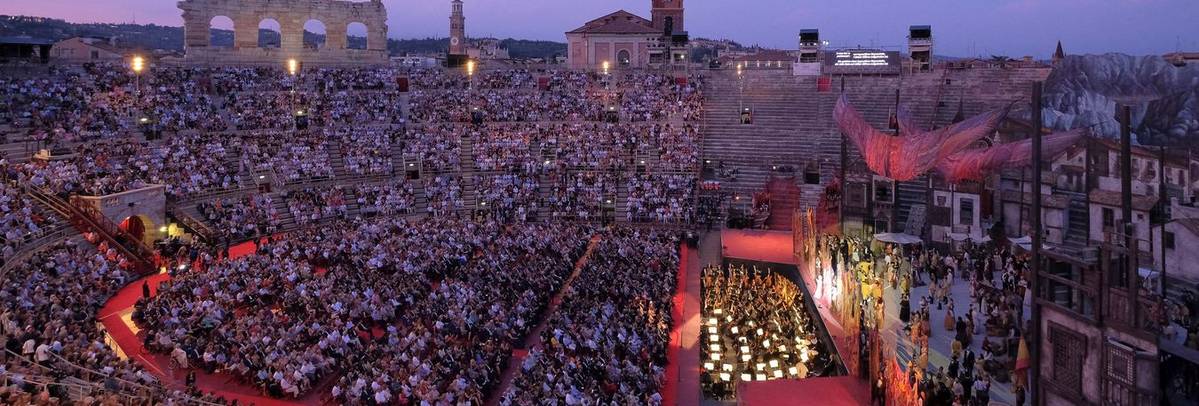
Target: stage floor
(835,391)
(756,245)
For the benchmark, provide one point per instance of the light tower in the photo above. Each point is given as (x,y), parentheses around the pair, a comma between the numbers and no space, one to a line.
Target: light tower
(920,47)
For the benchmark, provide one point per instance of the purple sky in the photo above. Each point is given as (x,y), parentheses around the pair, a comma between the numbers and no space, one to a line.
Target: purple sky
(962,27)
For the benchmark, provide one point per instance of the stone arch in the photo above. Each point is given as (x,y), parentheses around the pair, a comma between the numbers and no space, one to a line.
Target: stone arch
(357,35)
(221,31)
(624,58)
(138,226)
(316,34)
(270,33)
(284,29)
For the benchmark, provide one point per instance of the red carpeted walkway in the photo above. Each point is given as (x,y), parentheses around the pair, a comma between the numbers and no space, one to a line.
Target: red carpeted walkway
(670,384)
(838,391)
(533,338)
(756,245)
(115,315)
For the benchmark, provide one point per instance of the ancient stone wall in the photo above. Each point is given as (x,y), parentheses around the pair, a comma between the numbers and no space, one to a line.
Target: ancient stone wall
(248,15)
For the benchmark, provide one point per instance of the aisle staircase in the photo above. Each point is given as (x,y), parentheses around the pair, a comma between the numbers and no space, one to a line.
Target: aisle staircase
(87,219)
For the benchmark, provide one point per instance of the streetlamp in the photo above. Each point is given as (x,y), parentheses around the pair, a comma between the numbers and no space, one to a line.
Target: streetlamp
(741,86)
(470,73)
(293,69)
(138,64)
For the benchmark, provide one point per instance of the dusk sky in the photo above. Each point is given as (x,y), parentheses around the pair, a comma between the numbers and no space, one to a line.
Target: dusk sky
(961,27)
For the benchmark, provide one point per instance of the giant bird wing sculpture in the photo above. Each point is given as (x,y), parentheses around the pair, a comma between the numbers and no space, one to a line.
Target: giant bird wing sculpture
(913,152)
(978,163)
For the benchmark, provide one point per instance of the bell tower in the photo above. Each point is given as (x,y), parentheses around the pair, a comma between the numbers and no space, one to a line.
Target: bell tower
(668,16)
(457,29)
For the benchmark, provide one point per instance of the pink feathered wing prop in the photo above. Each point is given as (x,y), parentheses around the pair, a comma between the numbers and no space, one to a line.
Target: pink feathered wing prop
(976,164)
(914,152)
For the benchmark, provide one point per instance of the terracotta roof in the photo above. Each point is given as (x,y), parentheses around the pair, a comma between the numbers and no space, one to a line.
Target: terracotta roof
(1110,198)
(620,22)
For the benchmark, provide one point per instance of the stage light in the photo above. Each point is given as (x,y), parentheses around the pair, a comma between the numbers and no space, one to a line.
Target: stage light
(293,66)
(162,229)
(605,67)
(143,120)
(470,68)
(709,366)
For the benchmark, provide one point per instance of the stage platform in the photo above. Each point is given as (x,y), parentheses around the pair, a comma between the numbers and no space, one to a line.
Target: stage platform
(756,245)
(836,391)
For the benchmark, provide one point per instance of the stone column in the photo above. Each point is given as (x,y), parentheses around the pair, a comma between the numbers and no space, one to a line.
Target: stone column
(376,36)
(245,31)
(335,34)
(292,29)
(195,29)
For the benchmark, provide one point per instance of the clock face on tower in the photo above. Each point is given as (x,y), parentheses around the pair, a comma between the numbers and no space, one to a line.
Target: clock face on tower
(453,40)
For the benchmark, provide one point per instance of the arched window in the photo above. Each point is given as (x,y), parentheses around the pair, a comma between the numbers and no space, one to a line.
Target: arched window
(623,58)
(315,35)
(356,35)
(270,34)
(220,32)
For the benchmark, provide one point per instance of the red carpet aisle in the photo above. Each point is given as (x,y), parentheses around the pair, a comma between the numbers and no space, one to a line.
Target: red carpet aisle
(533,339)
(670,384)
(115,315)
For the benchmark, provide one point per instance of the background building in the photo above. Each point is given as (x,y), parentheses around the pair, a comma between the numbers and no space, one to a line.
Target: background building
(627,40)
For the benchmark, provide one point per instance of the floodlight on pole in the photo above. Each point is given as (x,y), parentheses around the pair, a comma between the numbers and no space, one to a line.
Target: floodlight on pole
(293,66)
(605,67)
(138,64)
